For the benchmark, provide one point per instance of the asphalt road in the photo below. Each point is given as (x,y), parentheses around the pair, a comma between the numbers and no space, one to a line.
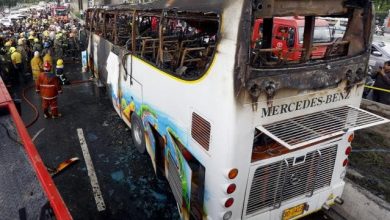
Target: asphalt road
(126,178)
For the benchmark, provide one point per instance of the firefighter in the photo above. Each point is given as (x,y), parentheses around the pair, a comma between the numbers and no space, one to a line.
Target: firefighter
(47,58)
(6,67)
(36,65)
(48,86)
(25,58)
(60,72)
(37,46)
(8,45)
(58,46)
(17,62)
(73,46)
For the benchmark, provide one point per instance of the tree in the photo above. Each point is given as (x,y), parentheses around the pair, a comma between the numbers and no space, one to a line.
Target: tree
(11,3)
(382,5)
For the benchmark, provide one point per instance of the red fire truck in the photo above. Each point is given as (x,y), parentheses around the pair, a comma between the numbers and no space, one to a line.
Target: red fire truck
(60,13)
(27,189)
(288,36)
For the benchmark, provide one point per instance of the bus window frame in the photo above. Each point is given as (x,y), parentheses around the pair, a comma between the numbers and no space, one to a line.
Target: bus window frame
(161,13)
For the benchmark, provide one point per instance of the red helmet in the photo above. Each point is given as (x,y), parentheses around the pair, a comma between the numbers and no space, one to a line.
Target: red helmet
(46,66)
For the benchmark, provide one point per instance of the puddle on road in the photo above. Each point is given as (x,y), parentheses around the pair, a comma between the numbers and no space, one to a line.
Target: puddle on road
(117,176)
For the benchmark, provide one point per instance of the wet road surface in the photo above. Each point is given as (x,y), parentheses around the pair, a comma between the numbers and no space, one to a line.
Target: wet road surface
(126,178)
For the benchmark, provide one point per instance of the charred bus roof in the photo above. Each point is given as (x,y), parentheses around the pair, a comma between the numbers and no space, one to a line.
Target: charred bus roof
(182,5)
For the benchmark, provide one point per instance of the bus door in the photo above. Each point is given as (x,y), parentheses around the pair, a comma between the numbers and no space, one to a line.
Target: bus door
(284,38)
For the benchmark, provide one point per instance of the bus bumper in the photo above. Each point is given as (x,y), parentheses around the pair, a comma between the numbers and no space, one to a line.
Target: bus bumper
(324,197)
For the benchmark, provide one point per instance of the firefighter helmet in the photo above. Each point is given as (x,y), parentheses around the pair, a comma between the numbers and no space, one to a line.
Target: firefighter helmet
(8,44)
(46,66)
(60,63)
(12,50)
(46,44)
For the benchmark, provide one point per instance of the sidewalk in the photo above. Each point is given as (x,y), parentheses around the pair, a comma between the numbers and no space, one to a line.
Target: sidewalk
(361,204)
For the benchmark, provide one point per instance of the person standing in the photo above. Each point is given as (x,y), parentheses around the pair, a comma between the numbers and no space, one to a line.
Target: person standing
(36,65)
(16,58)
(47,58)
(37,46)
(48,86)
(382,80)
(60,72)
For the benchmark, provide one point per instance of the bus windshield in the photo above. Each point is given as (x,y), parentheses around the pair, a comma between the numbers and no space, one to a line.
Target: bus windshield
(60,12)
(321,34)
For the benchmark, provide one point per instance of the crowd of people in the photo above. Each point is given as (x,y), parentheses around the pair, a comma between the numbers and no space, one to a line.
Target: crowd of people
(34,48)
(26,45)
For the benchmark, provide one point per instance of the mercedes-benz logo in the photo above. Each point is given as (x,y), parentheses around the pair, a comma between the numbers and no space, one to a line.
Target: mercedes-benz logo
(295,178)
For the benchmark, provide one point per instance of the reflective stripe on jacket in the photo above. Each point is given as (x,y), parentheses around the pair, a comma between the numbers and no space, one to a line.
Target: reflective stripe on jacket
(48,85)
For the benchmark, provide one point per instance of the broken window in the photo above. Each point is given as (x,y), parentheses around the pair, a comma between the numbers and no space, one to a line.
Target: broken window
(279,41)
(182,44)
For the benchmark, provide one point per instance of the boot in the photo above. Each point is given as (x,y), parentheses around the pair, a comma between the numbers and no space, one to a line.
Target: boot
(56,116)
(46,114)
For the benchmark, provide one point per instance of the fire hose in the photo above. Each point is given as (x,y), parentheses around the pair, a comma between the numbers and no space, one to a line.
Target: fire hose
(67,163)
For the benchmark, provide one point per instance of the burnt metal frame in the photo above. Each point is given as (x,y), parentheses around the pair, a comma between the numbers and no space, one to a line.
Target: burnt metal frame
(320,74)
(163,15)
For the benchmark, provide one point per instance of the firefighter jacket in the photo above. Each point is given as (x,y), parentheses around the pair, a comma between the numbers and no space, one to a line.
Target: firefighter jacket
(36,66)
(16,57)
(23,51)
(48,85)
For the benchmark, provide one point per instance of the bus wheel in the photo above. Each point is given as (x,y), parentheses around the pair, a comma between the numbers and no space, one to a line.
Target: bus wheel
(138,133)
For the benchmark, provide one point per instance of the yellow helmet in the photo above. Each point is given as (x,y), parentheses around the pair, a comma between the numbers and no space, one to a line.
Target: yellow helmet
(31,37)
(12,49)
(20,41)
(46,33)
(8,44)
(58,36)
(60,63)
(36,40)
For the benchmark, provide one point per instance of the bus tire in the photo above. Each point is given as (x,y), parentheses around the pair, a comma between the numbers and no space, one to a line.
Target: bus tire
(138,133)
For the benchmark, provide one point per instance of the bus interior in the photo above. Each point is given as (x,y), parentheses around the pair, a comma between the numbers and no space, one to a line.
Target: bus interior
(179,43)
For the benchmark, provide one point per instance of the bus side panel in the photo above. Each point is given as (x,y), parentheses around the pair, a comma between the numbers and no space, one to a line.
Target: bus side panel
(112,80)
(99,50)
(128,98)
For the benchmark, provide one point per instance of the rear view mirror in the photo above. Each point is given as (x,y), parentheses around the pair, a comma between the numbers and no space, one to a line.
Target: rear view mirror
(376,53)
